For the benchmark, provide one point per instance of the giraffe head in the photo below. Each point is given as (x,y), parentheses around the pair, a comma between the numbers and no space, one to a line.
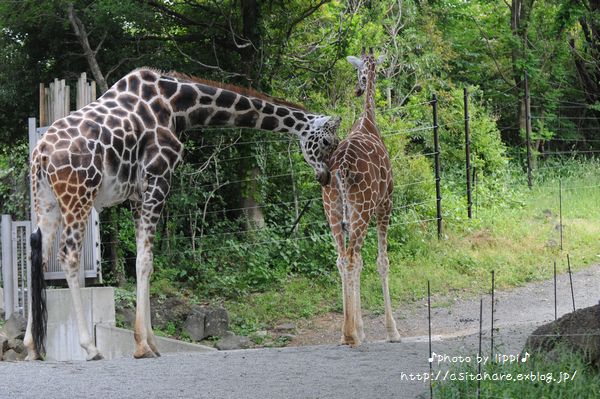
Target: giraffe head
(366,64)
(318,141)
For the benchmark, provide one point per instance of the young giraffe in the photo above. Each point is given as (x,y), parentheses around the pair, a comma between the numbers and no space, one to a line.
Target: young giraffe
(125,146)
(361,187)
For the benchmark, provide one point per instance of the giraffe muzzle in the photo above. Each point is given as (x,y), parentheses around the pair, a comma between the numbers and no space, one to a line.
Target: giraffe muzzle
(358,91)
(323,177)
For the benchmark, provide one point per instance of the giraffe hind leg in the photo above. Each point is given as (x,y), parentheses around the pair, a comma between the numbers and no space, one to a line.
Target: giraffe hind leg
(48,220)
(383,266)
(69,256)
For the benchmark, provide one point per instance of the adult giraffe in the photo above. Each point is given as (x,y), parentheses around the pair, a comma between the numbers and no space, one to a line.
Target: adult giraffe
(361,187)
(125,146)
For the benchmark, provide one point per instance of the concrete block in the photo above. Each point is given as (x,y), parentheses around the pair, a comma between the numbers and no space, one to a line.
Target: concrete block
(114,342)
(62,341)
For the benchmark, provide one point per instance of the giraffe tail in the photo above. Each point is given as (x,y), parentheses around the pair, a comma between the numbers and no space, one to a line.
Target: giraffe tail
(341,186)
(39,313)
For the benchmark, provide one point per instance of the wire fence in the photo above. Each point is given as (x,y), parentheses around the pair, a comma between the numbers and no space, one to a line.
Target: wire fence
(504,352)
(224,155)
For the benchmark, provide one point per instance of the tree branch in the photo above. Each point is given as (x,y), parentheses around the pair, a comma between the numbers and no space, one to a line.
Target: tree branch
(90,55)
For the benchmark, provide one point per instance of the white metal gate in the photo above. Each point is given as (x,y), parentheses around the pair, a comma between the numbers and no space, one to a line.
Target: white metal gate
(16,262)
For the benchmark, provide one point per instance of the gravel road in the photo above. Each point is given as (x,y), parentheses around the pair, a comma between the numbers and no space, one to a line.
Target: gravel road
(375,370)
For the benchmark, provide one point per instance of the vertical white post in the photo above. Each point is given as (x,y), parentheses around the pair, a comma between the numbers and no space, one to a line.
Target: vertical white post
(7,266)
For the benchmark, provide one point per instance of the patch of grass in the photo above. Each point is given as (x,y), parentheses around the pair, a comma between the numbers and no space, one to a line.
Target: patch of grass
(299,298)
(566,376)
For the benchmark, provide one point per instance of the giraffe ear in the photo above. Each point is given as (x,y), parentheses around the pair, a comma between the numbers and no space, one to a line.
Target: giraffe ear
(357,62)
(380,59)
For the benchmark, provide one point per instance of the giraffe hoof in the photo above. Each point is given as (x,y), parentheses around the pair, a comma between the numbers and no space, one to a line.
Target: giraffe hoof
(394,337)
(146,355)
(350,341)
(97,356)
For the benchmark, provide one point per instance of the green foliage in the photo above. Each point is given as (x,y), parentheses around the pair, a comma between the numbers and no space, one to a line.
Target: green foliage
(14,181)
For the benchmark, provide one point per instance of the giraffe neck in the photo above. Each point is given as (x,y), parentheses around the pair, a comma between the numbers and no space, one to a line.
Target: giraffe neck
(201,105)
(181,104)
(370,96)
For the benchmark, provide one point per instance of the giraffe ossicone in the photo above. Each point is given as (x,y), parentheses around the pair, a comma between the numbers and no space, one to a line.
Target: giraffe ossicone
(125,146)
(360,189)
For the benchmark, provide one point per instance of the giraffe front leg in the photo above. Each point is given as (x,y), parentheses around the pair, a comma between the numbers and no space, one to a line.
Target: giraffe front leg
(143,331)
(146,215)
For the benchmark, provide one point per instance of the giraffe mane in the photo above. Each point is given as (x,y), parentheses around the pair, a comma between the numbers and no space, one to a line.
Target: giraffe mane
(245,91)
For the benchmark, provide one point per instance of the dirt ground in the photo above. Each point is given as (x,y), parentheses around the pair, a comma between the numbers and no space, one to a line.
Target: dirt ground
(522,307)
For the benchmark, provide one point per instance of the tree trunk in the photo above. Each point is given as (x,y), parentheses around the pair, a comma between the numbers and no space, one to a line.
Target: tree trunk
(249,51)
(520,11)
(90,55)
(110,235)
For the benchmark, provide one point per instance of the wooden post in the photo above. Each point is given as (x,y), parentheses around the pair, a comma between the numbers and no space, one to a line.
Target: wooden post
(468,154)
(438,190)
(528,130)
(93,87)
(43,115)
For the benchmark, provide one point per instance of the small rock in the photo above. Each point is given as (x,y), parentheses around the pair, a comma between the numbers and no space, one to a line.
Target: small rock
(262,334)
(194,326)
(171,310)
(12,356)
(287,337)
(231,342)
(285,327)
(16,345)
(216,322)
(15,326)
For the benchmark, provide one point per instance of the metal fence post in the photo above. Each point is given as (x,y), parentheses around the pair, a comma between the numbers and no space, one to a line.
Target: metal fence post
(468,155)
(528,130)
(436,144)
(7,266)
